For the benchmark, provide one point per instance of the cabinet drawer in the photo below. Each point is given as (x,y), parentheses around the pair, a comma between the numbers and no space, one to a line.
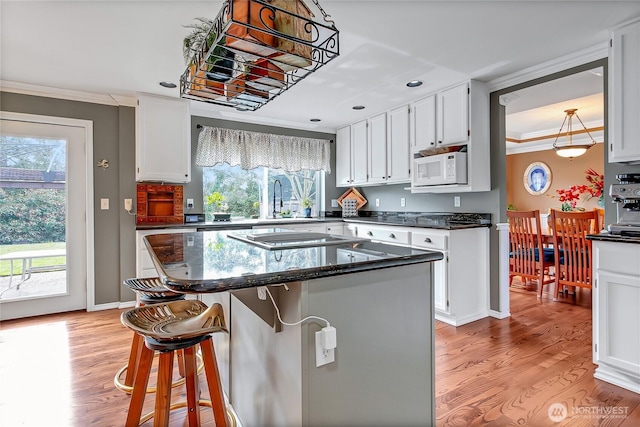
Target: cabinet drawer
(429,240)
(387,235)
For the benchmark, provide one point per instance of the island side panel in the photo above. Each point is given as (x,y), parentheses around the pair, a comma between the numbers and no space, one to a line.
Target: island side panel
(383,372)
(266,379)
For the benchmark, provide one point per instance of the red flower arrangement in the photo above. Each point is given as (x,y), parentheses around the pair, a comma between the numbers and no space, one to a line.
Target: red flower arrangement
(570,197)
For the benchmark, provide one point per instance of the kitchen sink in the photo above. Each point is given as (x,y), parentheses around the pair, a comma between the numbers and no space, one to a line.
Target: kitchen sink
(293,239)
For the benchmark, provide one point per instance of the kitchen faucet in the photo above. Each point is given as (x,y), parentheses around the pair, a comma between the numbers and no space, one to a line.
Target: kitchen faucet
(277,181)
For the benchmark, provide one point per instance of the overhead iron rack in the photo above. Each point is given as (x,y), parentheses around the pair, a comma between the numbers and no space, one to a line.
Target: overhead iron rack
(255,50)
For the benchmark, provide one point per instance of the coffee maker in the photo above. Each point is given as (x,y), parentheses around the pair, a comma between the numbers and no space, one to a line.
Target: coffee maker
(626,195)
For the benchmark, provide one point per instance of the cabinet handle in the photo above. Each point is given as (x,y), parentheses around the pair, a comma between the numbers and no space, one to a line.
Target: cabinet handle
(427,240)
(392,236)
(432,143)
(439,142)
(388,176)
(369,233)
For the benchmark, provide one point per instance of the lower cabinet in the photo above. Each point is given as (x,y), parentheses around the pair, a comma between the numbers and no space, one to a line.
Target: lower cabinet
(144,265)
(616,319)
(460,280)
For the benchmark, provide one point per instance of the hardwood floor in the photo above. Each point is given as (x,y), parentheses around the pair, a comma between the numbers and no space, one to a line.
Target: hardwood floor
(58,370)
(509,372)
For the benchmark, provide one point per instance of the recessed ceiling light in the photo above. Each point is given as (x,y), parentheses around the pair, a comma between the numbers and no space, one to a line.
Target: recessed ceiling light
(414,83)
(358,107)
(168,85)
(315,120)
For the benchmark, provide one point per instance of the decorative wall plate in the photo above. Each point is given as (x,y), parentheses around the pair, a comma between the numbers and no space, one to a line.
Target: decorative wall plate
(537,178)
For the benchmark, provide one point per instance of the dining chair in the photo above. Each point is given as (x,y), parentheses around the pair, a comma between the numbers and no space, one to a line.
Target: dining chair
(600,225)
(528,257)
(572,250)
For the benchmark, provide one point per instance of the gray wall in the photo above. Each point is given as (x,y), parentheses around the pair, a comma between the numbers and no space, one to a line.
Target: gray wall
(114,140)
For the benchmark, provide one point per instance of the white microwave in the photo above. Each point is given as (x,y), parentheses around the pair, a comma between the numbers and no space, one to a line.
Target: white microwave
(440,169)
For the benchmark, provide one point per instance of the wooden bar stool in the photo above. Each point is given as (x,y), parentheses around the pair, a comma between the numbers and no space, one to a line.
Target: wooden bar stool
(148,291)
(170,327)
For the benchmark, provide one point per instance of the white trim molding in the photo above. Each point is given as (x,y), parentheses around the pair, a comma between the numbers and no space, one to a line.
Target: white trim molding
(503,272)
(89,226)
(70,95)
(575,59)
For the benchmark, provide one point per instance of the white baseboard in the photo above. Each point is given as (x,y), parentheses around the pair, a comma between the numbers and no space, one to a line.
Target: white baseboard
(499,314)
(112,305)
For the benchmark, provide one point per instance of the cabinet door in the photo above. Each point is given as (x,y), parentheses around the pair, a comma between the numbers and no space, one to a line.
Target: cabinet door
(343,157)
(624,94)
(423,124)
(618,298)
(163,139)
(441,284)
(377,149)
(398,154)
(453,115)
(359,173)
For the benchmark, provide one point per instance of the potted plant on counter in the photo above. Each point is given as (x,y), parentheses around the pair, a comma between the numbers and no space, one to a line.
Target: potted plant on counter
(217,200)
(307,203)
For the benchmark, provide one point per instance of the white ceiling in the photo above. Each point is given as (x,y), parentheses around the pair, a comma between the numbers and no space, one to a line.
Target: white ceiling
(119,48)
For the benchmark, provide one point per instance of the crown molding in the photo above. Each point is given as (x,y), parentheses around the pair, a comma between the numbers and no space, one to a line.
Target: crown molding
(71,95)
(575,59)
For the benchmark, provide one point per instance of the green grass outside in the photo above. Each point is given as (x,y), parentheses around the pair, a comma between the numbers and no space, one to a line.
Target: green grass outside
(5,266)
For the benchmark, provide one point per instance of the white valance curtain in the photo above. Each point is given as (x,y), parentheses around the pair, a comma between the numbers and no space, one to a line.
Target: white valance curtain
(254,149)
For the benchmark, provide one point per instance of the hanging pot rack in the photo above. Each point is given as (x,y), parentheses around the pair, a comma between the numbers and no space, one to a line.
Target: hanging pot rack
(259,51)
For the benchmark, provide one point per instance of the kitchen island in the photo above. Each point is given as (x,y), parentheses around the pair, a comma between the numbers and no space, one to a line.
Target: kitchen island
(377,296)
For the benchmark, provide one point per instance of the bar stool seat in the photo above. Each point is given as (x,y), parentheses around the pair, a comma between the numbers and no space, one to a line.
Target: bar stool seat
(148,291)
(167,328)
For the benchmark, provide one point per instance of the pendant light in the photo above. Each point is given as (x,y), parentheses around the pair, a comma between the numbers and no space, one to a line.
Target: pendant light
(569,149)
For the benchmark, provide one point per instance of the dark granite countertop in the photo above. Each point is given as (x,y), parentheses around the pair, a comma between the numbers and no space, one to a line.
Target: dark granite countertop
(441,220)
(209,261)
(607,237)
(447,221)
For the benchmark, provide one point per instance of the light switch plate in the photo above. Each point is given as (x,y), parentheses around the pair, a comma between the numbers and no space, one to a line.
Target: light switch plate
(104,204)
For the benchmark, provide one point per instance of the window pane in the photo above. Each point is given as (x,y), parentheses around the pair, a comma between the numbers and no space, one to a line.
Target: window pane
(296,188)
(232,190)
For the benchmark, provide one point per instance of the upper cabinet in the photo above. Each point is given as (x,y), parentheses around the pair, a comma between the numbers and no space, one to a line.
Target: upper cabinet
(163,139)
(378,150)
(455,119)
(441,119)
(624,94)
(351,155)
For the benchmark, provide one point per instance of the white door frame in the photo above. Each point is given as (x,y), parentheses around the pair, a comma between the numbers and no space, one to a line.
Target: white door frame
(89,223)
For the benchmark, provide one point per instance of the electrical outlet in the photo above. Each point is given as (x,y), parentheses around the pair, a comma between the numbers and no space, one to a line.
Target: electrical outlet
(262,293)
(104,204)
(323,356)
(334,203)
(377,203)
(189,203)
(128,204)
(456,201)
(403,202)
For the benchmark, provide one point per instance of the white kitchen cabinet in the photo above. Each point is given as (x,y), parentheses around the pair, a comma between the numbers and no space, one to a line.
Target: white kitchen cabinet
(377,148)
(616,319)
(163,139)
(461,279)
(461,117)
(441,119)
(384,233)
(452,115)
(343,157)
(398,153)
(624,94)
(359,169)
(422,124)
(351,155)
(144,265)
